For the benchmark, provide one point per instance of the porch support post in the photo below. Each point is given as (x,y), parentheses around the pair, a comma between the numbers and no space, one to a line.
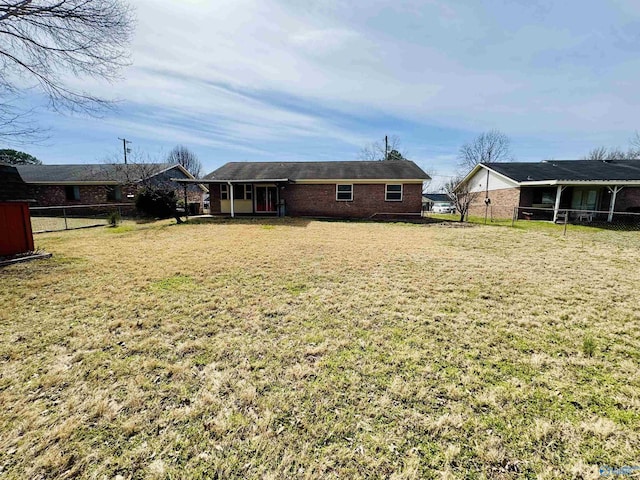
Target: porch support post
(614,194)
(557,205)
(186,202)
(231,199)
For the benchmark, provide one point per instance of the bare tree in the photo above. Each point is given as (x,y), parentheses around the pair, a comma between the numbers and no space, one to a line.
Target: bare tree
(43,42)
(635,143)
(488,147)
(185,157)
(460,193)
(610,153)
(375,151)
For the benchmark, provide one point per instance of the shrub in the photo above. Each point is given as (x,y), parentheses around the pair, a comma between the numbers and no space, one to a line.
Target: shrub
(156,202)
(114,218)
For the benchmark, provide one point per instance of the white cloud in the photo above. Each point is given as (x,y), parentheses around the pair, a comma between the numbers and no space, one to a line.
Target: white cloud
(249,72)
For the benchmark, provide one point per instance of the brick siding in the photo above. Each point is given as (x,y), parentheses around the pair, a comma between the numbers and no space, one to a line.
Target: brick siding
(502,203)
(54,195)
(319,200)
(628,197)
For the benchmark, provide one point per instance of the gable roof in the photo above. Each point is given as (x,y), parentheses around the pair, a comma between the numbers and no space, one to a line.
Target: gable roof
(87,173)
(437,197)
(569,170)
(356,170)
(12,187)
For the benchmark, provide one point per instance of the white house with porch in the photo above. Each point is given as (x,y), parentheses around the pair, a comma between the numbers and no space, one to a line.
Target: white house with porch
(585,190)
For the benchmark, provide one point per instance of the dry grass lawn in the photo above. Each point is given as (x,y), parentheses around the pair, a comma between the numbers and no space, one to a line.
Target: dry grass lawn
(293,349)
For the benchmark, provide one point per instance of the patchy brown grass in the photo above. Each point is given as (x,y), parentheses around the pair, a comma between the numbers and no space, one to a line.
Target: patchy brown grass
(294,349)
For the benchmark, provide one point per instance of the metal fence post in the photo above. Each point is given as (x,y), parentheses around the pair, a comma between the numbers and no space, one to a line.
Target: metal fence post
(513,217)
(566,219)
(64,214)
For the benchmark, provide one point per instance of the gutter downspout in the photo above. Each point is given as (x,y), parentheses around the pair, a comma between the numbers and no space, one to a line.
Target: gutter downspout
(233,214)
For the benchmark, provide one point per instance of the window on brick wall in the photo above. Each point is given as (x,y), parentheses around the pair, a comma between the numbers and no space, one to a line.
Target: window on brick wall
(242,191)
(344,193)
(72,192)
(393,192)
(114,193)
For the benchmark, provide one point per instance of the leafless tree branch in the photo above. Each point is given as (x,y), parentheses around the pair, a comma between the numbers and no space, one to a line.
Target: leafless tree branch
(460,193)
(375,151)
(488,147)
(44,42)
(185,157)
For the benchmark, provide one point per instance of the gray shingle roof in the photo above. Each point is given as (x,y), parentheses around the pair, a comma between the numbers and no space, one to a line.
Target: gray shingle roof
(392,169)
(89,172)
(569,170)
(437,197)
(11,185)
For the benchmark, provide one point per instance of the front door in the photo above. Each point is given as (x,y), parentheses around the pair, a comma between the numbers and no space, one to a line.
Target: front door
(266,199)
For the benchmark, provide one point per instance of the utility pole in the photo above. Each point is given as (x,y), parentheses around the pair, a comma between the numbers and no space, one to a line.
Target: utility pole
(124,147)
(386,147)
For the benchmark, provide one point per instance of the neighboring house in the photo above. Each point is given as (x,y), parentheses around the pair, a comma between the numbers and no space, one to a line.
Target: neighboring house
(547,187)
(93,184)
(15,222)
(438,202)
(317,189)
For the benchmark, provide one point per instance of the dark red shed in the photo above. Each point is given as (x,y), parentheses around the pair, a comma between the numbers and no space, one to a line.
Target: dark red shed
(15,221)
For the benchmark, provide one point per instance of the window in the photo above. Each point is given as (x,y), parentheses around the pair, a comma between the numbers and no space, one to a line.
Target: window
(393,193)
(114,193)
(72,192)
(242,191)
(224,191)
(344,193)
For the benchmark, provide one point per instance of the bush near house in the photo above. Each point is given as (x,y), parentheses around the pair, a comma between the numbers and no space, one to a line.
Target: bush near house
(156,202)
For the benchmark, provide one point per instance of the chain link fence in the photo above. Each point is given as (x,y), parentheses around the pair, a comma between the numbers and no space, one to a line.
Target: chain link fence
(623,221)
(53,219)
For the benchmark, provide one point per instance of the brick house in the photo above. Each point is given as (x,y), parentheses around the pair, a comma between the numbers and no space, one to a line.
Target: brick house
(98,184)
(317,189)
(597,188)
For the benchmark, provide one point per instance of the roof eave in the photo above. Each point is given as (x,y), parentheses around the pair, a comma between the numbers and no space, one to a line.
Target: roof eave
(534,183)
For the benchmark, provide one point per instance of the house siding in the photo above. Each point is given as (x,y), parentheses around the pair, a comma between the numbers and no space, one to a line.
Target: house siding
(54,195)
(629,197)
(319,200)
(368,199)
(503,202)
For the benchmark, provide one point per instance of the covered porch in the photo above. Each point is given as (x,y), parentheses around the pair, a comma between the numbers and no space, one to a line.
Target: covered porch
(260,197)
(583,202)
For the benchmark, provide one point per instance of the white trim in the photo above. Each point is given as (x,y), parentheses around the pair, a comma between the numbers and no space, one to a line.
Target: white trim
(479,166)
(386,192)
(344,199)
(581,183)
(244,180)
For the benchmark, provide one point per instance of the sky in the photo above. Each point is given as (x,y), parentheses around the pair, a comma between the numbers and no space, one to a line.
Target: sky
(270,80)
